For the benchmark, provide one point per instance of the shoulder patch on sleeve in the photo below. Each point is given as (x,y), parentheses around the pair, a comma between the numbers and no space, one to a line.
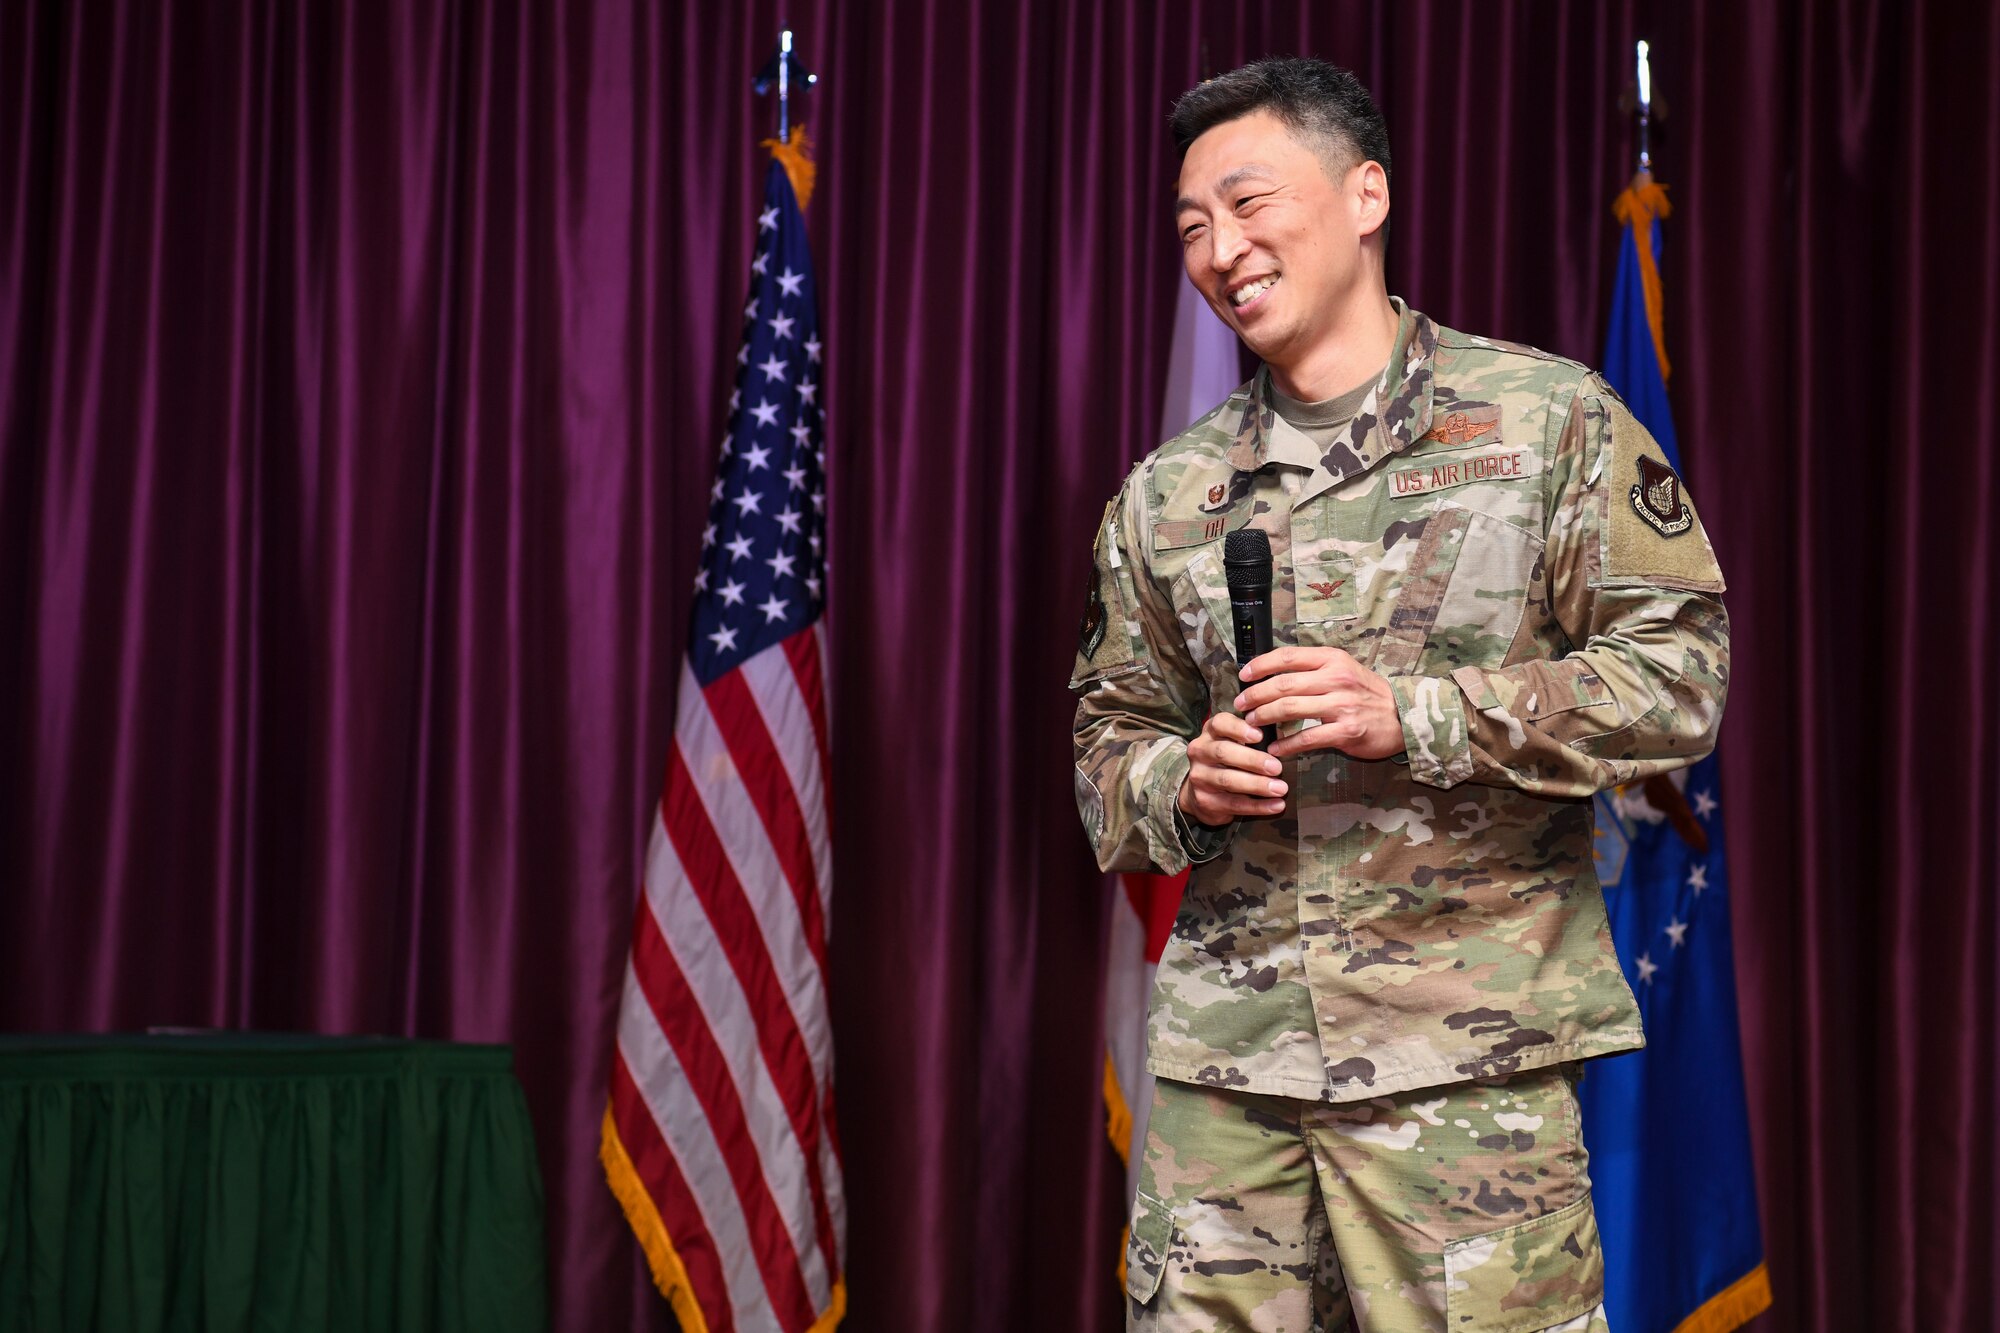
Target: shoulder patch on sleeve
(1651,535)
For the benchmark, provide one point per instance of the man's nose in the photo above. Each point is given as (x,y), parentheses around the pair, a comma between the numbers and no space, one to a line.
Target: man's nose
(1226,244)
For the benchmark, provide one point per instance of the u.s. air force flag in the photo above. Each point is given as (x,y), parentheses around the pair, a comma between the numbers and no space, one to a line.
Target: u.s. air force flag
(1667,1127)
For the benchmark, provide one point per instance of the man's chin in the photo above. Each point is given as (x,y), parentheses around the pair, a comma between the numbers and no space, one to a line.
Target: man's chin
(1262,342)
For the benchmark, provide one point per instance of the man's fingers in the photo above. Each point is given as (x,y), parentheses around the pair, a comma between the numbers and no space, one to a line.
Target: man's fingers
(1211,748)
(1292,658)
(1217,807)
(1281,659)
(1207,777)
(1287,682)
(1228,727)
(1337,674)
(1298,682)
(1291,708)
(1232,755)
(1328,736)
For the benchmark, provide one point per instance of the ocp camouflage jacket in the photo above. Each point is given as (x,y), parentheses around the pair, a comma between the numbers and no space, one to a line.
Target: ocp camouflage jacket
(1500,538)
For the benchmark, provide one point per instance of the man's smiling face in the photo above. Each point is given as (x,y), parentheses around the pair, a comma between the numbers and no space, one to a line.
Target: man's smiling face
(1268,237)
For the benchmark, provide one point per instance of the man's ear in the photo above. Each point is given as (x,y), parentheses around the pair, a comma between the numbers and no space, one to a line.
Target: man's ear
(1369,186)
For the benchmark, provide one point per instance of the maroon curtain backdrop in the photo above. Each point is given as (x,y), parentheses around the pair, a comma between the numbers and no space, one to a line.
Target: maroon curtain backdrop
(361,371)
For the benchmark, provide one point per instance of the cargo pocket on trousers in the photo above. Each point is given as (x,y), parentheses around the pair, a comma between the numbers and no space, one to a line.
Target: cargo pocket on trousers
(1528,1277)
(1146,1249)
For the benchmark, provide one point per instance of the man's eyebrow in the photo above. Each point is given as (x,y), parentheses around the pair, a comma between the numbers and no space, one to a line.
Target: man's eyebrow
(1248,171)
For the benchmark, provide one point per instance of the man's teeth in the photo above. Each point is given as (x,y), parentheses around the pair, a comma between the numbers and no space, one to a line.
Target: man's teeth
(1251,291)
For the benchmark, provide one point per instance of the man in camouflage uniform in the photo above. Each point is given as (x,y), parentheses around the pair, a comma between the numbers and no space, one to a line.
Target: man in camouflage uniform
(1491,601)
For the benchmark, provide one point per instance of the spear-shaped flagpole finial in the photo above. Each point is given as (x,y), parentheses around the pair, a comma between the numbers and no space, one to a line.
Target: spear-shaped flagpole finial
(788,74)
(1641,99)
(1645,106)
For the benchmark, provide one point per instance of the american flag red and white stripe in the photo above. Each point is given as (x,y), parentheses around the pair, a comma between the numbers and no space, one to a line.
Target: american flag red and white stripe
(1201,372)
(719,1140)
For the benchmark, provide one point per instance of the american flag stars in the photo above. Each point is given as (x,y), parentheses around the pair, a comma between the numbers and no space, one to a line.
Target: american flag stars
(765,540)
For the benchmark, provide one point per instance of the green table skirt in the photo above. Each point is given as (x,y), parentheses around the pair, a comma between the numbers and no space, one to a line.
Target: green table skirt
(235,1182)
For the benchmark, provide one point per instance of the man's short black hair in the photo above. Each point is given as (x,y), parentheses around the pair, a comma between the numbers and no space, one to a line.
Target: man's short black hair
(1325,105)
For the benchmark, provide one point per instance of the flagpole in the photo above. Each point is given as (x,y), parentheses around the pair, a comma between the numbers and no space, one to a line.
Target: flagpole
(784,70)
(1645,72)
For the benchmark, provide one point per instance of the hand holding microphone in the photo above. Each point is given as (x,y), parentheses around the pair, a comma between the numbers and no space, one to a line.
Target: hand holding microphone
(1339,704)
(1228,777)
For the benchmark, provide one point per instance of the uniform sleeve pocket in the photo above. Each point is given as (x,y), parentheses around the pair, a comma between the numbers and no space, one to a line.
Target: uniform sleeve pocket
(1146,1249)
(1536,1275)
(1108,641)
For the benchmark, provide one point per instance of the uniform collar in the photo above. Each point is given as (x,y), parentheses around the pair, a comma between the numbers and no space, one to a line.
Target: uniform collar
(1394,415)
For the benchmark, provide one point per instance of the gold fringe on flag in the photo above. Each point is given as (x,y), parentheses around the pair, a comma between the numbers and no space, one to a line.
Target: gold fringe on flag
(1732,1307)
(1117,1115)
(1118,1125)
(796,158)
(1636,206)
(669,1274)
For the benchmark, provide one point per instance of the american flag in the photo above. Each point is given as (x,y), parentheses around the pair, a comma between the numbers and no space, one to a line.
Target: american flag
(719,1139)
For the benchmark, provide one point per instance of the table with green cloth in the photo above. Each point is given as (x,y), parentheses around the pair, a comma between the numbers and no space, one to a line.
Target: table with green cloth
(226,1181)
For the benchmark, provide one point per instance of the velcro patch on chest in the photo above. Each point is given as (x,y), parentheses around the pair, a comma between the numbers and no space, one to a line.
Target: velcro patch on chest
(1455,430)
(1172,534)
(1426,473)
(1325,589)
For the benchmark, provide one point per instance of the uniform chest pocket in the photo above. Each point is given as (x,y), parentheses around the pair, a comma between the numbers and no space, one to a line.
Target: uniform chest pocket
(1325,588)
(1201,602)
(1464,594)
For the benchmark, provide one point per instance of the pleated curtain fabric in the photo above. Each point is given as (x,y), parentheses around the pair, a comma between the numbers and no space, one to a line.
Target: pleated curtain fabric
(362,370)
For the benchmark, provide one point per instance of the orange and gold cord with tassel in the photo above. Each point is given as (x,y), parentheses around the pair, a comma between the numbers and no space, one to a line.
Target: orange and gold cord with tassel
(796,158)
(1636,206)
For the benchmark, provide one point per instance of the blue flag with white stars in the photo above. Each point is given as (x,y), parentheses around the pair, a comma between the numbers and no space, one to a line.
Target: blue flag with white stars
(1668,1127)
(763,565)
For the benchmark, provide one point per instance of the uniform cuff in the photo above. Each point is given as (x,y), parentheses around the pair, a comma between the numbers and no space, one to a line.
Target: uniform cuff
(1176,842)
(1198,840)
(1432,712)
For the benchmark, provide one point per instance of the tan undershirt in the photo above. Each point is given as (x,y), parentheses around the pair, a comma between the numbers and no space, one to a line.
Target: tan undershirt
(1323,421)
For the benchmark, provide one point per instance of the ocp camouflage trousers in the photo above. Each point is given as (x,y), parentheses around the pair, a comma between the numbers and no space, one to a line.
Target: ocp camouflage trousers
(1464,1208)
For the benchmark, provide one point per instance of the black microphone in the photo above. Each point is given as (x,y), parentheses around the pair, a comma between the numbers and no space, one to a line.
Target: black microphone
(1246,564)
